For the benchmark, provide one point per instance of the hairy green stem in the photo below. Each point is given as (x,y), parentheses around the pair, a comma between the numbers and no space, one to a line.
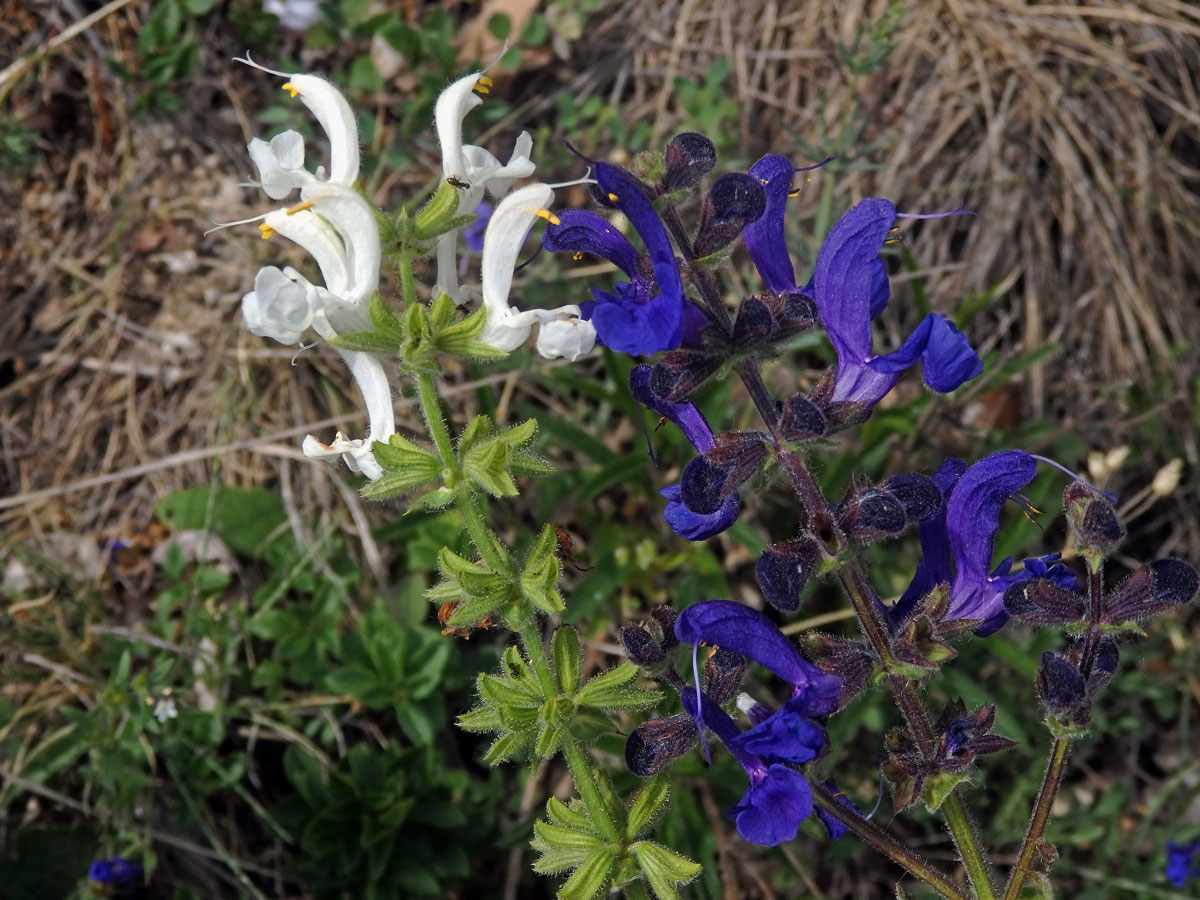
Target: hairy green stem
(885,843)
(1041,816)
(408,284)
(962,830)
(531,639)
(581,771)
(431,408)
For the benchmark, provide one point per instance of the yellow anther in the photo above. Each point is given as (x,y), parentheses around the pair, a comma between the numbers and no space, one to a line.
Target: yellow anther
(266,230)
(307,204)
(577,255)
(763,181)
(795,193)
(613,197)
(291,89)
(713,651)
(483,85)
(548,216)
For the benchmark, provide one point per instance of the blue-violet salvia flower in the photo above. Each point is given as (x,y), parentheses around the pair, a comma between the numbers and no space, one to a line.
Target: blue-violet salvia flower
(958,541)
(764,238)
(1183,862)
(850,288)
(687,418)
(641,316)
(116,872)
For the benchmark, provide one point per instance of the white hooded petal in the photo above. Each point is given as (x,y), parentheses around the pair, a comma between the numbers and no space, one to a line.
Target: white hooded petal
(485,172)
(280,163)
(355,453)
(281,306)
(452,107)
(354,220)
(508,329)
(369,374)
(336,119)
(294,15)
(569,338)
(310,231)
(502,242)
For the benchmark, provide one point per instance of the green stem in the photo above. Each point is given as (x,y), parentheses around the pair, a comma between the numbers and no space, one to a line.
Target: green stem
(1041,816)
(581,772)
(962,830)
(408,284)
(483,538)
(431,408)
(885,843)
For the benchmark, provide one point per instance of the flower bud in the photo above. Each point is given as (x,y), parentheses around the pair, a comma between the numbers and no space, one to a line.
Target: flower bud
(656,743)
(735,200)
(689,157)
(723,672)
(918,495)
(1098,529)
(1155,588)
(1039,601)
(871,514)
(641,647)
(1062,690)
(784,569)
(802,419)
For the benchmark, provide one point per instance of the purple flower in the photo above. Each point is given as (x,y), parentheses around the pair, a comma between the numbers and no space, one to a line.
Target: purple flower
(850,287)
(636,318)
(958,541)
(764,238)
(1182,863)
(687,523)
(116,872)
(749,633)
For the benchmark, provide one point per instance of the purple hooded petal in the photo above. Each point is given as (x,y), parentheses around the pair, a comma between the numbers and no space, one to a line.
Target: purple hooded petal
(972,519)
(773,807)
(847,278)
(747,632)
(583,231)
(764,237)
(834,827)
(787,735)
(694,526)
(625,325)
(683,416)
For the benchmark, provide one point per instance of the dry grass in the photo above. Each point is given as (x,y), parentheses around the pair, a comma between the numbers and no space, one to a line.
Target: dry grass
(1074,132)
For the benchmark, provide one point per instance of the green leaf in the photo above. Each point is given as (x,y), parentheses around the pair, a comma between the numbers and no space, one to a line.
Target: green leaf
(506,692)
(505,747)
(385,320)
(550,738)
(478,430)
(475,580)
(590,878)
(558,837)
(438,498)
(529,465)
(610,690)
(393,484)
(566,650)
(521,434)
(938,788)
(461,338)
(480,720)
(539,578)
(648,802)
(438,213)
(560,813)
(367,342)
(664,869)
(441,312)
(487,466)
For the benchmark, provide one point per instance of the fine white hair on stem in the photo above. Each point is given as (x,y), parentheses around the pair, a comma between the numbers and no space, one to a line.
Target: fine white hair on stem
(247,61)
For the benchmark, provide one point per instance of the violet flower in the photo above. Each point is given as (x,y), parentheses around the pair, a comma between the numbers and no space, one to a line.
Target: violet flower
(1182,863)
(958,541)
(645,314)
(778,797)
(850,287)
(764,238)
(687,418)
(116,873)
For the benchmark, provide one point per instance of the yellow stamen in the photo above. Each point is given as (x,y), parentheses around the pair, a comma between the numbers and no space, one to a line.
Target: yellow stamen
(713,651)
(267,230)
(795,193)
(548,216)
(613,197)
(307,204)
(483,85)
(763,181)
(1035,509)
(577,255)
(291,89)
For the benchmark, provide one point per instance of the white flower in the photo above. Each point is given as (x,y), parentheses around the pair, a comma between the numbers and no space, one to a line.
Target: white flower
(281,306)
(354,453)
(507,328)
(334,115)
(166,709)
(280,163)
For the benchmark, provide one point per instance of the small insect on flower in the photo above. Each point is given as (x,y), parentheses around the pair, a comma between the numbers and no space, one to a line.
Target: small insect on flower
(446,610)
(566,547)
(458,183)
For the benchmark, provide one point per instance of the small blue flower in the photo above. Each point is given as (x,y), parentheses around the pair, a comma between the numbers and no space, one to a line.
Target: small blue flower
(115,873)
(1182,862)
(833,827)
(764,238)
(687,418)
(644,315)
(850,287)
(958,541)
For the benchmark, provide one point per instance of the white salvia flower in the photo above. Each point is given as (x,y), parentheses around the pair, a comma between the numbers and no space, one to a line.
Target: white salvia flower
(485,171)
(280,163)
(354,221)
(281,306)
(506,328)
(333,114)
(165,709)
